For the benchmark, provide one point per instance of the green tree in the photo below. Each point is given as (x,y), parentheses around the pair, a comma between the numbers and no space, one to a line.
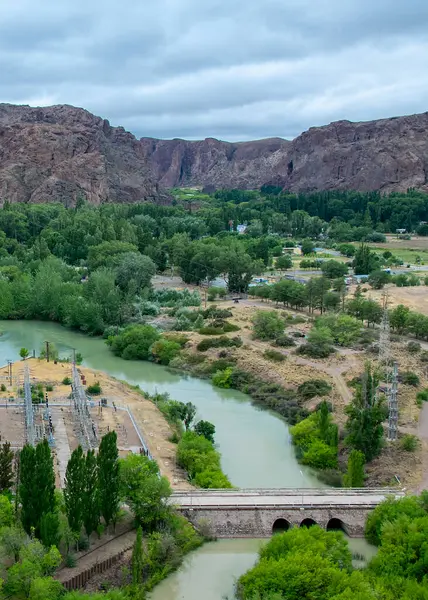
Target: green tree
(389,511)
(366,414)
(74,490)
(308,247)
(109,254)
(49,529)
(378,279)
(206,429)
(134,272)
(284,262)
(354,477)
(91,511)
(108,477)
(12,539)
(189,415)
(398,317)
(27,487)
(24,353)
(7,517)
(45,588)
(134,342)
(267,325)
(6,467)
(137,560)
(365,261)
(144,490)
(333,269)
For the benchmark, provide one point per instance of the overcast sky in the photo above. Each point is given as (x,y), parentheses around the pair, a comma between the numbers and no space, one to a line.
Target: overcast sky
(232,69)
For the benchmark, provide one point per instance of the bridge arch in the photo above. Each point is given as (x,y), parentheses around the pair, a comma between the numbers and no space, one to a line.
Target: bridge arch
(337,525)
(280,525)
(308,523)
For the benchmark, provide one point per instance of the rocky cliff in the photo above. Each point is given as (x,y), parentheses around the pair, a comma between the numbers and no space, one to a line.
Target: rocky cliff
(61,153)
(389,155)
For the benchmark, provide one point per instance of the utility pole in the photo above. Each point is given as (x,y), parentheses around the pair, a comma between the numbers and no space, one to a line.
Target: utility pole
(9,368)
(47,351)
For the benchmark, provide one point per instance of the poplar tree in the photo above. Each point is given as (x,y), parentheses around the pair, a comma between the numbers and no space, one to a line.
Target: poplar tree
(27,476)
(91,510)
(74,490)
(6,467)
(137,561)
(108,477)
(354,477)
(44,483)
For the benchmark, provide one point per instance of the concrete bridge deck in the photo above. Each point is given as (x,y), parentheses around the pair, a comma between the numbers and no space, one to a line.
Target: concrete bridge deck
(256,513)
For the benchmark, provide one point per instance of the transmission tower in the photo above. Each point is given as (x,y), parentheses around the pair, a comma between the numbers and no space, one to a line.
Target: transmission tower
(82,415)
(390,370)
(28,409)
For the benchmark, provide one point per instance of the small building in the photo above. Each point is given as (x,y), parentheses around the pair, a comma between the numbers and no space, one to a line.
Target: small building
(400,231)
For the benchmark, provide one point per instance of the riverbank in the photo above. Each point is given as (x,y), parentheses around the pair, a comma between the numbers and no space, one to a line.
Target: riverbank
(150,421)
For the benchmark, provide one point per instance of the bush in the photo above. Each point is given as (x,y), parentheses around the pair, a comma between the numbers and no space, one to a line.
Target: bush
(164,351)
(49,387)
(150,308)
(94,389)
(422,396)
(218,329)
(178,338)
(424,356)
(70,561)
(409,378)
(320,456)
(3,387)
(409,442)
(170,297)
(274,355)
(413,347)
(66,381)
(221,342)
(222,379)
(201,460)
(315,350)
(134,342)
(314,387)
(267,325)
(284,341)
(216,313)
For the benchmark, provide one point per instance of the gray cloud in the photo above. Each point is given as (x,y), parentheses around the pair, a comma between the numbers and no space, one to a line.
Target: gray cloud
(234,69)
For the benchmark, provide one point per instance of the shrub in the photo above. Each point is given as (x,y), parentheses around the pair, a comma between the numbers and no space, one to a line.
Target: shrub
(422,396)
(70,561)
(150,308)
(413,347)
(170,297)
(134,342)
(221,342)
(178,338)
(218,328)
(201,460)
(222,378)
(320,456)
(216,313)
(49,387)
(267,325)
(409,442)
(3,387)
(314,387)
(164,351)
(66,381)
(284,341)
(274,355)
(331,477)
(315,350)
(409,378)
(424,356)
(94,389)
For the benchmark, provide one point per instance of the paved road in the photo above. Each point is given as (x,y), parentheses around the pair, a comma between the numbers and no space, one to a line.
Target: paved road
(312,497)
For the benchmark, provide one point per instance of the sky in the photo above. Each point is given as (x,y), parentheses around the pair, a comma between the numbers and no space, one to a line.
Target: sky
(230,69)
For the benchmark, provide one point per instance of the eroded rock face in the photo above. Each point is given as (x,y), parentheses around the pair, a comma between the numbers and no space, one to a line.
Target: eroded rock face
(388,155)
(61,153)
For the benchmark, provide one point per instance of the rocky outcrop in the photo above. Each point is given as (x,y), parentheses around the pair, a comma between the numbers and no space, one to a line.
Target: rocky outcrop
(61,153)
(388,155)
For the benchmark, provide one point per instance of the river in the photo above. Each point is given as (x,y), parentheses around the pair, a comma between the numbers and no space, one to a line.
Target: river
(255,446)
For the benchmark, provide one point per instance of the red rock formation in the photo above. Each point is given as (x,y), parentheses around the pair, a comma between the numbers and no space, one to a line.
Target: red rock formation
(61,153)
(388,155)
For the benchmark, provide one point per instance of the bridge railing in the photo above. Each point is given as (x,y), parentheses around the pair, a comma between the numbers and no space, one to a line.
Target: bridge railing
(290,492)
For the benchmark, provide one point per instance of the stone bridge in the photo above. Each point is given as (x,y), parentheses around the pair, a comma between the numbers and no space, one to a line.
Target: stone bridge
(259,513)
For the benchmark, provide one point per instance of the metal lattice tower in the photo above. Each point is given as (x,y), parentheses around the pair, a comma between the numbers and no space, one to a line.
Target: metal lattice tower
(391,371)
(28,409)
(393,405)
(87,432)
